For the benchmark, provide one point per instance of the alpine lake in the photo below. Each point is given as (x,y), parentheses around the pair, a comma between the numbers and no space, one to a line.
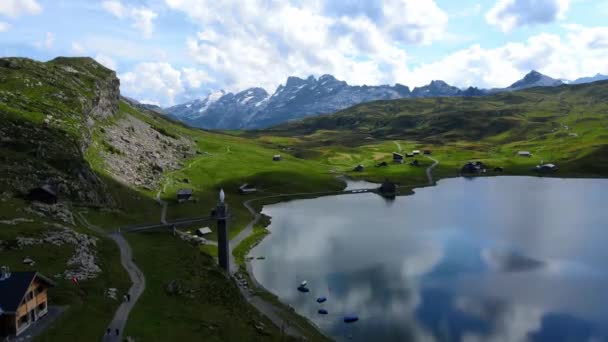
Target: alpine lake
(470,259)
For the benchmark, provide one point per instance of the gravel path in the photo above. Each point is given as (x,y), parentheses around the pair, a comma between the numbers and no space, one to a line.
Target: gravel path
(429,170)
(137,279)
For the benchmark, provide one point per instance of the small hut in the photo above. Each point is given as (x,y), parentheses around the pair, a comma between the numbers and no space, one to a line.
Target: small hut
(524,154)
(184,194)
(546,168)
(45,194)
(397,157)
(276,157)
(359,168)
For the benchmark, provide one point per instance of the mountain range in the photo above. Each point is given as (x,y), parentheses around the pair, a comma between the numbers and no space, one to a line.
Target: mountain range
(298,98)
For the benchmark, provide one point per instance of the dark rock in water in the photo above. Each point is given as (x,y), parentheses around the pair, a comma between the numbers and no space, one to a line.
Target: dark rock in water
(303,289)
(350,319)
(322,312)
(321,300)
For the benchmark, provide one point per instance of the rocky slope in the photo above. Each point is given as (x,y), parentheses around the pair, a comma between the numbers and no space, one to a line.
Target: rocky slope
(64,124)
(299,98)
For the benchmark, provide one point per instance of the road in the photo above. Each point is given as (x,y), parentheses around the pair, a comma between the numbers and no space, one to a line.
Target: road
(137,279)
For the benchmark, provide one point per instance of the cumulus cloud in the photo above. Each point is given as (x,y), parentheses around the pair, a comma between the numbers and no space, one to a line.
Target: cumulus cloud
(142,17)
(156,80)
(195,78)
(509,14)
(47,43)
(78,49)
(581,52)
(4,26)
(15,8)
(262,42)
(106,61)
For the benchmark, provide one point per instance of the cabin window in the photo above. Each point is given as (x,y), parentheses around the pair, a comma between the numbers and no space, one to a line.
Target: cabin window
(23,320)
(39,289)
(42,306)
(30,295)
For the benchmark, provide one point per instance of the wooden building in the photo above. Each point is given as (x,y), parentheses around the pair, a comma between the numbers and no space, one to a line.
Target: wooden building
(524,154)
(276,157)
(359,168)
(184,194)
(397,157)
(45,194)
(546,168)
(23,299)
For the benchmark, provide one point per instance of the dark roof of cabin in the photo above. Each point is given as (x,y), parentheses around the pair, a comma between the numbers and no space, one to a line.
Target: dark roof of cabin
(46,188)
(13,289)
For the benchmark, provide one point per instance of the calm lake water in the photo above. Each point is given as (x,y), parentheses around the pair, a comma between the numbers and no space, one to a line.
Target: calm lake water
(484,259)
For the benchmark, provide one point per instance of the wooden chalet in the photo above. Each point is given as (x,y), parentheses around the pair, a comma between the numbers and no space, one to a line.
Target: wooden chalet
(45,194)
(397,157)
(184,194)
(23,300)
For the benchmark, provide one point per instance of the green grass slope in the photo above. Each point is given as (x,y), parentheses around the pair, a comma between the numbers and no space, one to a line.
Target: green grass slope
(54,123)
(566,125)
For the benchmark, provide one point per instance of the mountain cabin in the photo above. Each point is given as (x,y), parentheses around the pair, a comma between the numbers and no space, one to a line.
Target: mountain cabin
(397,157)
(23,300)
(45,194)
(184,195)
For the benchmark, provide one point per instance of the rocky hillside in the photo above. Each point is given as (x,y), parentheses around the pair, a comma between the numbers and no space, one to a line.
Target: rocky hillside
(63,124)
(299,98)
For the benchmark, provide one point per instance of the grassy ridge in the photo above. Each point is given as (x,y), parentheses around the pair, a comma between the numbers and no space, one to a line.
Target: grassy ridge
(566,125)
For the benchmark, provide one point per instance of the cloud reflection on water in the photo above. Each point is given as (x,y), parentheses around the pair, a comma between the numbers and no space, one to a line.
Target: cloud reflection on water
(488,259)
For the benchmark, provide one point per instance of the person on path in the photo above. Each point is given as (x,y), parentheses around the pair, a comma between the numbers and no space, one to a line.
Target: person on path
(124,298)
(108,331)
(116,332)
(128,297)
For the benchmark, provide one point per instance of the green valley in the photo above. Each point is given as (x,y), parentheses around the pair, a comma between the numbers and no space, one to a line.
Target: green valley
(63,123)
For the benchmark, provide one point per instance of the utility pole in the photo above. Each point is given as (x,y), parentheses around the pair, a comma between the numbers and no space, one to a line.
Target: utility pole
(221,213)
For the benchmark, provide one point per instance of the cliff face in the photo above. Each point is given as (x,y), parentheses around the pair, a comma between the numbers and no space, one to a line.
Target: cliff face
(64,123)
(105,100)
(47,111)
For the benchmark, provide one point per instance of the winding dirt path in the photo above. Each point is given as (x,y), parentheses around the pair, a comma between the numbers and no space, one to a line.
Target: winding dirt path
(429,170)
(135,274)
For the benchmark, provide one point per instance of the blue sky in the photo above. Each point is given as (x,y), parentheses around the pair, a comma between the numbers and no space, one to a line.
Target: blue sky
(171,51)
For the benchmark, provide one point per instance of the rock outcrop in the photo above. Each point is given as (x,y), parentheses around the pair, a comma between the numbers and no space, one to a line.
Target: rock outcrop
(140,153)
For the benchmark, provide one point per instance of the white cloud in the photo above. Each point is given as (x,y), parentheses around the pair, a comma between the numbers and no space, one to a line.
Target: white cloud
(159,81)
(195,78)
(142,17)
(582,52)
(47,43)
(509,14)
(78,49)
(4,26)
(14,8)
(106,61)
(261,42)
(114,7)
